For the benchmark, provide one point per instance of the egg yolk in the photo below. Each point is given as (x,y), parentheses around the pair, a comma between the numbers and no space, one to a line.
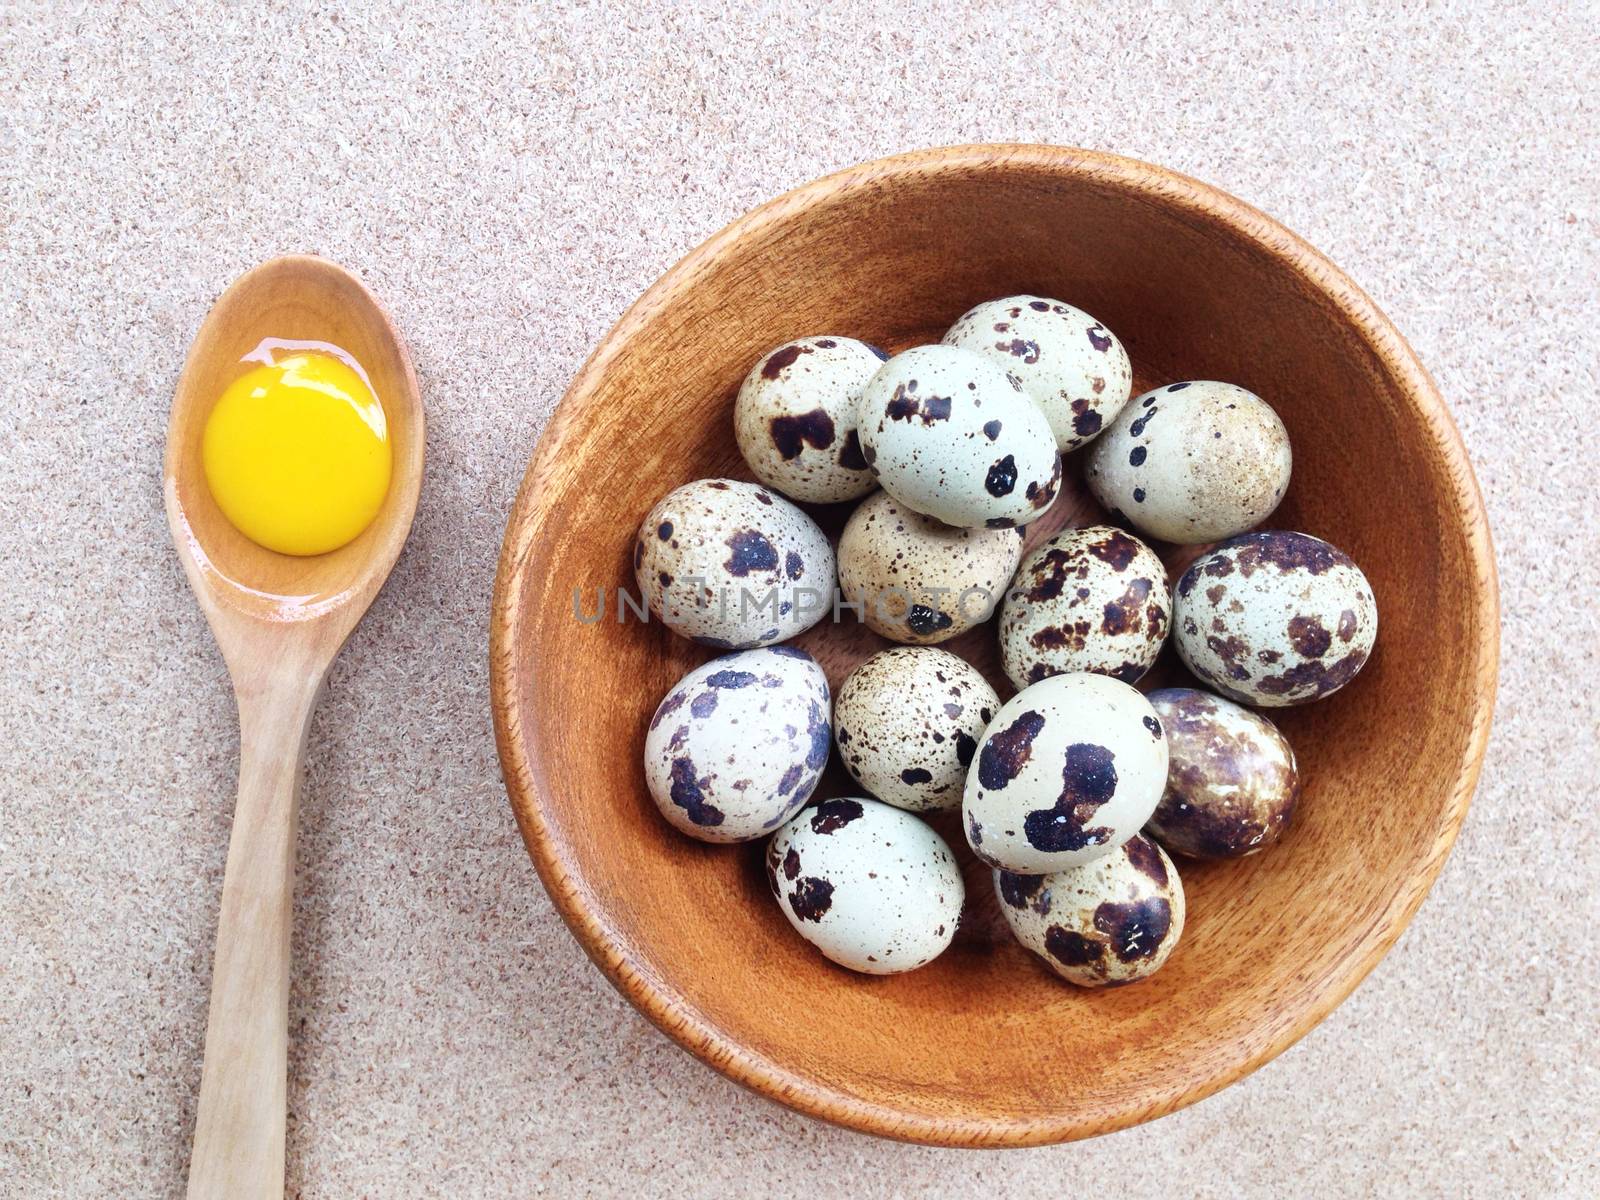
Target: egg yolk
(297,454)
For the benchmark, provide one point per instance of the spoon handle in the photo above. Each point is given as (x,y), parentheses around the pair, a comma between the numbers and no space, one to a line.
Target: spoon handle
(239,1128)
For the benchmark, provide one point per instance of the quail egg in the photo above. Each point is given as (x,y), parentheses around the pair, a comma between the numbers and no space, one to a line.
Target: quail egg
(795,418)
(1231,777)
(1074,368)
(867,884)
(1111,921)
(1069,769)
(739,744)
(1192,462)
(1091,599)
(1274,618)
(914,579)
(950,434)
(731,565)
(908,722)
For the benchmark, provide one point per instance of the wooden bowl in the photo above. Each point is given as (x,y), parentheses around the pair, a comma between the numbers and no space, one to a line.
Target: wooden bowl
(985,1047)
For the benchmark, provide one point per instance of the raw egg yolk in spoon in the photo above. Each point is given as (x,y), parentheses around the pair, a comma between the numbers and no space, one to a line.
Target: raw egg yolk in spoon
(297,454)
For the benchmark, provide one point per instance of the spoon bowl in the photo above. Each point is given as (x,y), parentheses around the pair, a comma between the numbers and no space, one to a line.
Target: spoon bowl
(306,302)
(279,621)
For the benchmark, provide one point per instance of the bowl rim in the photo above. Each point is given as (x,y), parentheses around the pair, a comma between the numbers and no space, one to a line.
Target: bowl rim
(524,780)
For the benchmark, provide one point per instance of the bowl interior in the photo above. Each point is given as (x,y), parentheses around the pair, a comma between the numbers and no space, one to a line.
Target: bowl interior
(985,1046)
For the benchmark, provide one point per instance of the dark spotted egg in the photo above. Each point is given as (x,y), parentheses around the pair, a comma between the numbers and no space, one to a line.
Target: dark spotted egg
(1073,366)
(1231,777)
(1192,462)
(950,434)
(869,885)
(795,418)
(907,722)
(1274,618)
(1093,599)
(739,744)
(1068,770)
(1111,921)
(914,579)
(731,565)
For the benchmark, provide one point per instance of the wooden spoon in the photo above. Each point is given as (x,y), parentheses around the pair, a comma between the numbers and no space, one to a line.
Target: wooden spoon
(280,621)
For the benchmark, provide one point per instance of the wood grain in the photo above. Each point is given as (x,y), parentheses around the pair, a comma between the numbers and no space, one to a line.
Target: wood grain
(984,1047)
(279,621)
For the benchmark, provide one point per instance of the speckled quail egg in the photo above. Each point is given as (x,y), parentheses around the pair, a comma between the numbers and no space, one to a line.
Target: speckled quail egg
(731,565)
(908,722)
(795,418)
(1192,462)
(1111,921)
(914,579)
(1091,599)
(949,433)
(1231,777)
(867,884)
(739,743)
(1074,368)
(1274,618)
(1069,769)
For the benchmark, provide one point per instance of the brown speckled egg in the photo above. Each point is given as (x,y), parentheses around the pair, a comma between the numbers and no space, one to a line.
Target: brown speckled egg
(731,565)
(867,884)
(908,722)
(1112,921)
(1069,769)
(1192,462)
(795,418)
(1074,368)
(1274,618)
(1093,599)
(918,580)
(948,432)
(1231,777)
(738,744)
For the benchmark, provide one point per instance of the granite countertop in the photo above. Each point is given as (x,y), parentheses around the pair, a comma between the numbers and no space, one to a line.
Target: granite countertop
(508,181)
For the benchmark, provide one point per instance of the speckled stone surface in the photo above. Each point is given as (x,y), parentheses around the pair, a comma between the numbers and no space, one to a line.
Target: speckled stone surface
(508,181)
